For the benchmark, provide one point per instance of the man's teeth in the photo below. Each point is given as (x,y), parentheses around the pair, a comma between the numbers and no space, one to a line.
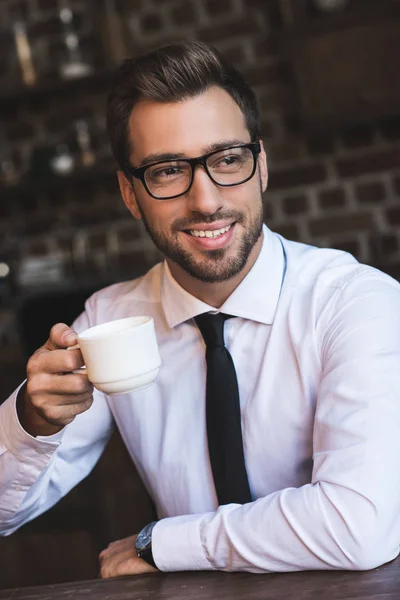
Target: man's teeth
(210,234)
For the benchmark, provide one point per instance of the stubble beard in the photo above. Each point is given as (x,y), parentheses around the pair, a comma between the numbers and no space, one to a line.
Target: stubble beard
(216,265)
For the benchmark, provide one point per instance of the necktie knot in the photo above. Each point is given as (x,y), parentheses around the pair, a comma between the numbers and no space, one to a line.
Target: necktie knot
(212,328)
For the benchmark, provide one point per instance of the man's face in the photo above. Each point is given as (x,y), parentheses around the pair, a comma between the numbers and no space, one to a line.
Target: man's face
(191,128)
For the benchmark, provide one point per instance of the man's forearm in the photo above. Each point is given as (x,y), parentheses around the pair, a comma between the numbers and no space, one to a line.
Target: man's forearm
(314,527)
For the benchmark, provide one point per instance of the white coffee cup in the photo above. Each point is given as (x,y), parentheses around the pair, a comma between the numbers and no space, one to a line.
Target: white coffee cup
(120,356)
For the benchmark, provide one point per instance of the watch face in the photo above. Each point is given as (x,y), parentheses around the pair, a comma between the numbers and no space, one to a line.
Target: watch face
(143,539)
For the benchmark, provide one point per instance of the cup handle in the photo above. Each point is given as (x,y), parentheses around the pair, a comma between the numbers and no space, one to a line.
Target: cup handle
(82,370)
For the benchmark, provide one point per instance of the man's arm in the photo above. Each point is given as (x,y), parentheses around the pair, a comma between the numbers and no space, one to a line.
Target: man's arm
(348,516)
(51,435)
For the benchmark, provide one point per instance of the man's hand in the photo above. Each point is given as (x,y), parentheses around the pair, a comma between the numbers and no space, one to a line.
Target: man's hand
(120,558)
(54,395)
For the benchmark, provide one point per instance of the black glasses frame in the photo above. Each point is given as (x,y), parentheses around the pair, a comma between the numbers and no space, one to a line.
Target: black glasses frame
(139,172)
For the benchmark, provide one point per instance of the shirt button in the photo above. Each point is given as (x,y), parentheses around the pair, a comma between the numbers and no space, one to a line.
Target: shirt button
(40,450)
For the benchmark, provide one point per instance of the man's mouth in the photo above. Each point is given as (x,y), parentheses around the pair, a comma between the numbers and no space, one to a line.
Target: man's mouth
(209,233)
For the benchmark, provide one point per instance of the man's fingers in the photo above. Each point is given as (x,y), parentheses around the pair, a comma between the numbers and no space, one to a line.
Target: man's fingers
(64,414)
(72,384)
(57,361)
(61,336)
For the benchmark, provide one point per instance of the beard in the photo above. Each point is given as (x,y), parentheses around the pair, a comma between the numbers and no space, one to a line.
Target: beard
(216,266)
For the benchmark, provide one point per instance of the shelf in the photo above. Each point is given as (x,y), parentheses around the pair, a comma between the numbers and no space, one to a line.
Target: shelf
(52,87)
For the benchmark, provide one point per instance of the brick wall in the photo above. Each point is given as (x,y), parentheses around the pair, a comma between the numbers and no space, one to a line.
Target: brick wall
(340,190)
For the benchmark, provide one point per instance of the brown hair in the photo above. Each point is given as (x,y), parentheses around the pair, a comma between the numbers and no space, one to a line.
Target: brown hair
(173,73)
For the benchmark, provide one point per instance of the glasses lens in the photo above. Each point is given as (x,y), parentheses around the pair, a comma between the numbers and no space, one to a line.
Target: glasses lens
(231,166)
(168,179)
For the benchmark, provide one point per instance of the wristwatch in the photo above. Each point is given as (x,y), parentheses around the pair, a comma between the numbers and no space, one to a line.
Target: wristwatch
(143,544)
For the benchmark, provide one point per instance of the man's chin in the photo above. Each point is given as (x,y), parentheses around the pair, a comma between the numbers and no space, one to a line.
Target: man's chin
(211,270)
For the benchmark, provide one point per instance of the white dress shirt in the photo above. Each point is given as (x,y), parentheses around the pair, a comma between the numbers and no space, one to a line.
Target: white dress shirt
(316,345)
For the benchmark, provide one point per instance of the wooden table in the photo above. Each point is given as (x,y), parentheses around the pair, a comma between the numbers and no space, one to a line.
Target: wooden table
(379,584)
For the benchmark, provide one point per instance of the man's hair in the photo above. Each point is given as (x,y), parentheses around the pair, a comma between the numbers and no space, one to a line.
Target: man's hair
(173,73)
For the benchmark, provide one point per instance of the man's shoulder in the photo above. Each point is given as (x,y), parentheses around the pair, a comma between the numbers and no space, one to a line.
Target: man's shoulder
(311,267)
(307,263)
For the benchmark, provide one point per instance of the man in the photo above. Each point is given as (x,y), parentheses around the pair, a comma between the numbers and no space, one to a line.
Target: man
(314,337)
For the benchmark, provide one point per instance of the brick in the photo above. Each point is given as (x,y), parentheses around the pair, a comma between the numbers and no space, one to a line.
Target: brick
(84,216)
(183,13)
(266,47)
(274,13)
(219,8)
(370,163)
(266,128)
(393,215)
(96,240)
(357,137)
(128,233)
(286,178)
(151,23)
(351,245)
(289,231)
(370,193)
(390,128)
(360,221)
(284,151)
(293,205)
(270,9)
(396,185)
(110,186)
(266,74)
(332,198)
(229,28)
(275,97)
(391,268)
(65,243)
(268,208)
(234,52)
(130,261)
(320,144)
(383,245)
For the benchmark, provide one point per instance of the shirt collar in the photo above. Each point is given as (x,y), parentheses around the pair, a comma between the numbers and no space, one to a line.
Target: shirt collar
(255,298)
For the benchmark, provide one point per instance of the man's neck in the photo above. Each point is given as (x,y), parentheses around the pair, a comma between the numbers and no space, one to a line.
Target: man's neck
(214,294)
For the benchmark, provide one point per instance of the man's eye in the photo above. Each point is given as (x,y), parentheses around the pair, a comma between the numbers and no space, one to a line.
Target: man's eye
(227,162)
(165,172)
(230,160)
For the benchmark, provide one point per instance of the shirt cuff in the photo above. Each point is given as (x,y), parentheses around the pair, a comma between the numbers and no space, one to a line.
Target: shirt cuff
(18,441)
(176,544)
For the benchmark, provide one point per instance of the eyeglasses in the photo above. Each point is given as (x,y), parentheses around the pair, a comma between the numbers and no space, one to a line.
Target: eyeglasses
(164,180)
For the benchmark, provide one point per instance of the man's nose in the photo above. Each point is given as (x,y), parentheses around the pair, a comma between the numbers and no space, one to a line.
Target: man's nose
(204,195)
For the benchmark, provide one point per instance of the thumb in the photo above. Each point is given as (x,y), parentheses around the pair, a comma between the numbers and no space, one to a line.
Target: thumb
(61,336)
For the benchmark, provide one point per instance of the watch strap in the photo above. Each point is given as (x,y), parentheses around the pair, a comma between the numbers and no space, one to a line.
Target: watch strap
(147,555)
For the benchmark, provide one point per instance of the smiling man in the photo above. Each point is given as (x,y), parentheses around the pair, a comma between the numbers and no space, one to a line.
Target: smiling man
(270,440)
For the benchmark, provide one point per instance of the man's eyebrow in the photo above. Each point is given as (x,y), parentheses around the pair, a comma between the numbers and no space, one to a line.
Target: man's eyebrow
(167,156)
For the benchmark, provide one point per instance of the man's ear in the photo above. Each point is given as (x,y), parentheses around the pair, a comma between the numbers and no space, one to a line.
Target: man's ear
(262,161)
(128,195)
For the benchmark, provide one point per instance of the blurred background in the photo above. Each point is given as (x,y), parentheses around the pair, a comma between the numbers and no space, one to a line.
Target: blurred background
(326,73)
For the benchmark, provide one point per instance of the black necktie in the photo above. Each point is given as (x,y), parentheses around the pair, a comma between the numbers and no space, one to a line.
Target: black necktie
(224,429)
